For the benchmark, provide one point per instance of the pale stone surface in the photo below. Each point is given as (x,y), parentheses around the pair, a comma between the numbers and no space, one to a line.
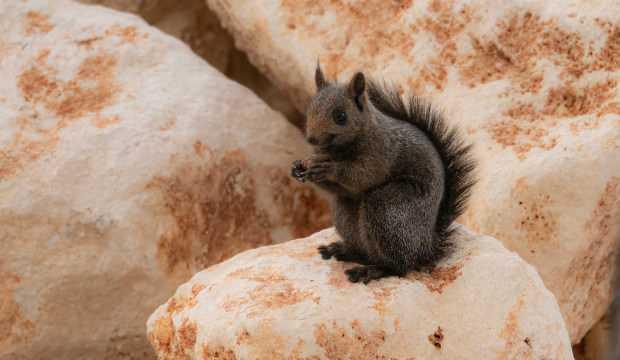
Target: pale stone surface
(534,84)
(126,164)
(285,302)
(193,22)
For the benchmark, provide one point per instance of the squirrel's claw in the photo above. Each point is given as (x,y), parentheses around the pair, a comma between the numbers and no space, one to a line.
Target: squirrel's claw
(366,273)
(319,171)
(325,252)
(336,249)
(298,170)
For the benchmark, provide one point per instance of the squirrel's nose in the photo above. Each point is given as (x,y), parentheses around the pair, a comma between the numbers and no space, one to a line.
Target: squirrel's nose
(313,140)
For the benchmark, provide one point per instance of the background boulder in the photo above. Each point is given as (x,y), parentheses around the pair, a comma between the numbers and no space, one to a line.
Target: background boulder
(194,23)
(126,164)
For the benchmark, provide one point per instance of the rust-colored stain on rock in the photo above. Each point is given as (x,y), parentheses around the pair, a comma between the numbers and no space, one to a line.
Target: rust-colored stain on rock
(610,108)
(595,265)
(265,297)
(439,277)
(264,341)
(215,211)
(514,346)
(436,338)
(350,342)
(242,336)
(197,288)
(382,297)
(35,22)
(92,88)
(608,58)
(274,290)
(180,303)
(536,219)
(217,352)
(300,206)
(128,34)
(171,343)
(488,62)
(570,100)
(161,335)
(372,25)
(14,328)
(187,334)
(445,24)
(89,41)
(508,57)
(296,354)
(102,122)
(522,129)
(526,126)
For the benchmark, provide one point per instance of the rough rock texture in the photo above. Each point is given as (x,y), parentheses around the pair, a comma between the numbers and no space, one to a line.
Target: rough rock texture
(535,84)
(126,164)
(285,302)
(193,22)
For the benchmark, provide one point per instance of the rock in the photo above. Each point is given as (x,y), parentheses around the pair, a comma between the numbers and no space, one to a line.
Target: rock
(193,22)
(285,302)
(533,84)
(126,164)
(594,345)
(133,6)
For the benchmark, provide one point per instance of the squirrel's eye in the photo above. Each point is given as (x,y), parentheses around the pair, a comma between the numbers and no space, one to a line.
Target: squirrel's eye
(340,117)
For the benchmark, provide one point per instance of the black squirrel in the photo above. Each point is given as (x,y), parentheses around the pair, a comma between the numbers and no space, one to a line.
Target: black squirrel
(399,174)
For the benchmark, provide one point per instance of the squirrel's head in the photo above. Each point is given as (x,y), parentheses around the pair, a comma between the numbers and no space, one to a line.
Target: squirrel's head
(337,114)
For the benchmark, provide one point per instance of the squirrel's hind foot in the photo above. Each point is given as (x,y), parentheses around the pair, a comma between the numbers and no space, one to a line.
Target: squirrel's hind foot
(336,249)
(368,273)
(341,252)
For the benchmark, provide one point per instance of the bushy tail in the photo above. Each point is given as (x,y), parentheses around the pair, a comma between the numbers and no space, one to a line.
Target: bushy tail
(455,154)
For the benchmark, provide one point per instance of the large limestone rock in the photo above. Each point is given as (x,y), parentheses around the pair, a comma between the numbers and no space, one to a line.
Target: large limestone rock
(285,302)
(535,84)
(126,164)
(192,22)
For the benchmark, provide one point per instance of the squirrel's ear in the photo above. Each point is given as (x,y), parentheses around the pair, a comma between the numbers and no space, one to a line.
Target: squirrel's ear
(356,89)
(319,78)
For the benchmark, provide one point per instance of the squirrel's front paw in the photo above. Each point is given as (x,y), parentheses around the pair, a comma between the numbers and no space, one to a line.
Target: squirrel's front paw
(298,170)
(320,169)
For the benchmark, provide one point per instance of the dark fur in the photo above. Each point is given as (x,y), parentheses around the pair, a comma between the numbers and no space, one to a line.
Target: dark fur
(399,174)
(458,164)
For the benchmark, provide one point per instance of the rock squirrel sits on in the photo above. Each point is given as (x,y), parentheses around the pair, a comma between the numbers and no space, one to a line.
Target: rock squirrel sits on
(399,174)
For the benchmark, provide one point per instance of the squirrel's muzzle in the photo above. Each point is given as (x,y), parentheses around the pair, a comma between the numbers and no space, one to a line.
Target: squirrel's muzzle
(313,140)
(321,141)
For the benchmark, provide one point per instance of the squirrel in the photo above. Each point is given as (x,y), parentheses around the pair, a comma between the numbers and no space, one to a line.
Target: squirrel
(398,174)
